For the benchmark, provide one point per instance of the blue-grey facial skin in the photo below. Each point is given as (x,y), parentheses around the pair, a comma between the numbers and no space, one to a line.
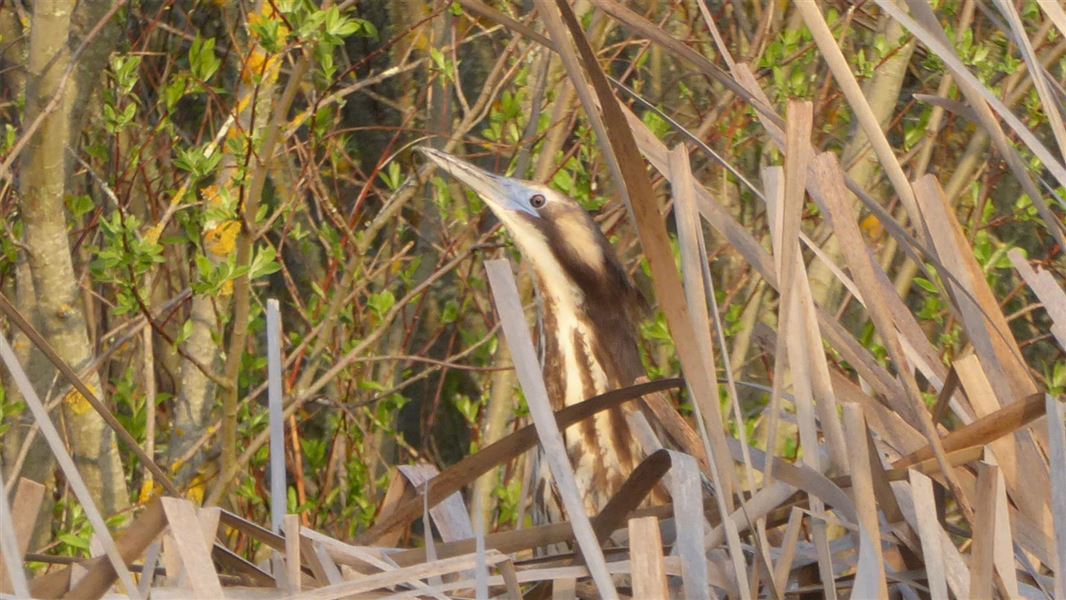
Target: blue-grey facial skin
(518,198)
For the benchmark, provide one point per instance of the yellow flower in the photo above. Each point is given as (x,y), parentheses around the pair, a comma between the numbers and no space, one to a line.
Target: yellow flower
(242,105)
(873,228)
(79,404)
(149,489)
(267,11)
(210,195)
(153,232)
(196,489)
(260,66)
(221,239)
(269,14)
(235,132)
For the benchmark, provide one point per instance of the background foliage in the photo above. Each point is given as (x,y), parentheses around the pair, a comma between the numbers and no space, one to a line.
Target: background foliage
(233,152)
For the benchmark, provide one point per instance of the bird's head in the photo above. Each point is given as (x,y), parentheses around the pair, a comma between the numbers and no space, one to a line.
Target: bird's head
(551,230)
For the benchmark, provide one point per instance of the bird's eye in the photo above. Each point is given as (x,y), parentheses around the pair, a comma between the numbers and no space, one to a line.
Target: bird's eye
(537,201)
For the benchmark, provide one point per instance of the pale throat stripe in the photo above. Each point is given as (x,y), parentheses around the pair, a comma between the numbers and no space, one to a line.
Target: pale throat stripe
(562,298)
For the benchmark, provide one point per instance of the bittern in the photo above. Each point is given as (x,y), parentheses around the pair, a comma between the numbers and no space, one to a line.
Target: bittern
(589,313)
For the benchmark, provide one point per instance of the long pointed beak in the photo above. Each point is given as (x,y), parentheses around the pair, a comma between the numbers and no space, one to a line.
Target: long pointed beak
(498,192)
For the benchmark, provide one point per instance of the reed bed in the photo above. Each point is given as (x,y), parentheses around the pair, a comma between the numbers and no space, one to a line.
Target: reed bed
(917,474)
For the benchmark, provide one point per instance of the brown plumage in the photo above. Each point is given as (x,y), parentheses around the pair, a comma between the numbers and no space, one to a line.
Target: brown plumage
(589,313)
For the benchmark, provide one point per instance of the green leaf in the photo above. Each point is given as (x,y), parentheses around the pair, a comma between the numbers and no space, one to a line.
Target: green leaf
(264,263)
(450,313)
(655,123)
(116,121)
(268,33)
(80,205)
(926,285)
(392,176)
(74,541)
(368,29)
(124,70)
(183,335)
(175,91)
(197,162)
(202,60)
(339,25)
(438,59)
(381,302)
(564,182)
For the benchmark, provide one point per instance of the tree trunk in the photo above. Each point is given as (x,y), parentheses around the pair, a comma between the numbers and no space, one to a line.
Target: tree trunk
(197,396)
(42,184)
